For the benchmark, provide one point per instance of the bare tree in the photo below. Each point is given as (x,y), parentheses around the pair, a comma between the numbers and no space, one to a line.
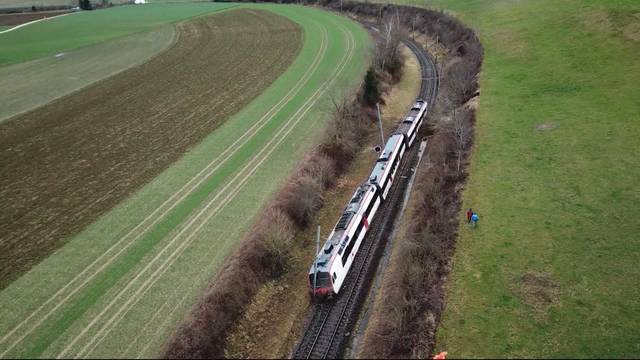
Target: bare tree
(459,128)
(462,75)
(388,56)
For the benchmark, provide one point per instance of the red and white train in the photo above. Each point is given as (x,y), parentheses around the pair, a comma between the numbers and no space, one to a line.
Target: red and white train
(332,264)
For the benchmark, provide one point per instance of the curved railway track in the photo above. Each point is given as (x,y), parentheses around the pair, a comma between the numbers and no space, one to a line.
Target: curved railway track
(331,322)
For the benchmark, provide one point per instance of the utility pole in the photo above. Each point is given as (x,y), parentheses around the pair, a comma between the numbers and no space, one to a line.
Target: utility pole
(386,44)
(315,262)
(413,26)
(380,124)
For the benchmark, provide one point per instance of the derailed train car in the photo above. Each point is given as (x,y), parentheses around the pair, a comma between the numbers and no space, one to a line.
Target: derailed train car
(334,260)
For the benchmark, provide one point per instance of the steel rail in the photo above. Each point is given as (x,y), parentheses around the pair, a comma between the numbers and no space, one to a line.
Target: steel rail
(330,320)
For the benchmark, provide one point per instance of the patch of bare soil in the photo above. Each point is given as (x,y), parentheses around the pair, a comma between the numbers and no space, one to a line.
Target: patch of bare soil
(21,18)
(545,126)
(625,24)
(537,289)
(632,31)
(66,163)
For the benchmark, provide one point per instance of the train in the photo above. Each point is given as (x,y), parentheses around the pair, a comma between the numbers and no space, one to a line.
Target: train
(335,258)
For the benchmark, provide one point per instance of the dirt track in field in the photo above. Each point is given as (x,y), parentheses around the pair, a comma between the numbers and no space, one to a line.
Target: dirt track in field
(21,18)
(66,163)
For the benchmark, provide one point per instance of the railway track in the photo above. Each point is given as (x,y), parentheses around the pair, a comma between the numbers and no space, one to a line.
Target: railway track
(331,322)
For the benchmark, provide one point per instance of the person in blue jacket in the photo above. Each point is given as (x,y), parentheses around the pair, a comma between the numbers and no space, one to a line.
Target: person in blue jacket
(474,219)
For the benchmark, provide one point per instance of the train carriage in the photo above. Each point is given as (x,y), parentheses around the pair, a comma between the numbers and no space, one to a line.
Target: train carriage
(412,122)
(386,167)
(334,260)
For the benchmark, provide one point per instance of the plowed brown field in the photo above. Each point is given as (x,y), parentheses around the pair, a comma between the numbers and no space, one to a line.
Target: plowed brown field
(64,164)
(21,18)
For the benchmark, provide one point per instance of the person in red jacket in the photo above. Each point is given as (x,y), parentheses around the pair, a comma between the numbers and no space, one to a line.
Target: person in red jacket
(469,214)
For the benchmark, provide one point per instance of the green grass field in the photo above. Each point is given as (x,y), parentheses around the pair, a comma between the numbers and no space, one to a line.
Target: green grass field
(552,270)
(84,28)
(142,269)
(31,84)
(6,4)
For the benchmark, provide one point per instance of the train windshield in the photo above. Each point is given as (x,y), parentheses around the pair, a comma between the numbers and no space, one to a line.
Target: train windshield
(323,280)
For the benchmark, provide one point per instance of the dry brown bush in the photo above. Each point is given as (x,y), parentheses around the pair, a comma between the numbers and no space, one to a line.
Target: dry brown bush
(300,200)
(344,135)
(388,56)
(320,167)
(278,235)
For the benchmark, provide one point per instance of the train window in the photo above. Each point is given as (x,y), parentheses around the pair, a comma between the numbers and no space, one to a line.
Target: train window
(328,249)
(344,221)
(322,280)
(352,243)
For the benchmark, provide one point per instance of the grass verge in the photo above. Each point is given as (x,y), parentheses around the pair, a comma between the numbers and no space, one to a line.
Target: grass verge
(552,269)
(32,84)
(61,34)
(8,4)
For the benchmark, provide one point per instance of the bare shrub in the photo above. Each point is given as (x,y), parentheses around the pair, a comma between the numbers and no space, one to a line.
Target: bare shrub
(300,200)
(462,76)
(388,55)
(278,235)
(459,127)
(320,167)
(344,135)
(220,306)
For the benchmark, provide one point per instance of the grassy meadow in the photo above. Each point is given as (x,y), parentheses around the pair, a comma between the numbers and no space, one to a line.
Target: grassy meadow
(31,84)
(84,28)
(7,4)
(552,270)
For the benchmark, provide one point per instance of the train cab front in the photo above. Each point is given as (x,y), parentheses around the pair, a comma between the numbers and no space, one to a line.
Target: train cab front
(320,286)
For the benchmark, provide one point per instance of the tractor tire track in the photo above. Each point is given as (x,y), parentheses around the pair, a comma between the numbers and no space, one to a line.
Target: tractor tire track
(91,149)
(160,212)
(252,168)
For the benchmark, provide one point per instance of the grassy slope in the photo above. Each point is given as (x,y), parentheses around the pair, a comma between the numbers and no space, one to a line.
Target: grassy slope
(34,83)
(90,27)
(557,205)
(28,3)
(5,4)
(148,322)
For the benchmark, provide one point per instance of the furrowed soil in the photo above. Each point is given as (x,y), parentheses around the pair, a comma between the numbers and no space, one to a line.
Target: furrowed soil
(17,19)
(65,164)
(11,4)
(29,85)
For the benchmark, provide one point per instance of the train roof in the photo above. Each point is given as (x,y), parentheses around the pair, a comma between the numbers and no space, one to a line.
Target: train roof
(416,108)
(404,127)
(390,146)
(330,247)
(378,169)
(332,244)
